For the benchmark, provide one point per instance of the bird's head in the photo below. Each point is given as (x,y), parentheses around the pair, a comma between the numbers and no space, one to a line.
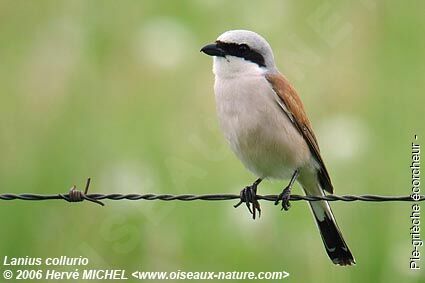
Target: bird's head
(240,52)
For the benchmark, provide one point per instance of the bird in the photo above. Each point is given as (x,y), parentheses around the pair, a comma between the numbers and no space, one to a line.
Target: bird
(264,121)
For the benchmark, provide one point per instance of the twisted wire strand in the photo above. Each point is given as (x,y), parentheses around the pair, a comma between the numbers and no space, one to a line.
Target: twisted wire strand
(75,195)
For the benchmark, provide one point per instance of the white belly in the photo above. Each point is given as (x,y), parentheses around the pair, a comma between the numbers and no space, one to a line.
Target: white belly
(259,133)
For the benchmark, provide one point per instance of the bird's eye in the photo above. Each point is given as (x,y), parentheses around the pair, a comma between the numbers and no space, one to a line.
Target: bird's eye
(243,47)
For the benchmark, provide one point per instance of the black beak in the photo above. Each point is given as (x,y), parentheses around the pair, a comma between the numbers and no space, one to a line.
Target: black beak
(213,50)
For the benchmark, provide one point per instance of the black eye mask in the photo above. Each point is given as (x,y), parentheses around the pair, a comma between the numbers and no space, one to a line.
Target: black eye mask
(242,51)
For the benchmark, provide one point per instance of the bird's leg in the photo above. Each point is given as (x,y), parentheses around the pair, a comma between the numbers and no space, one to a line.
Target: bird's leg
(286,193)
(249,195)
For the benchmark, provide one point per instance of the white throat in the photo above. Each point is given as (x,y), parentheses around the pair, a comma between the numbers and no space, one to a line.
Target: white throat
(231,66)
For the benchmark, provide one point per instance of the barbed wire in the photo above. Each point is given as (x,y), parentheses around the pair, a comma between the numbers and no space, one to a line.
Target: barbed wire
(75,195)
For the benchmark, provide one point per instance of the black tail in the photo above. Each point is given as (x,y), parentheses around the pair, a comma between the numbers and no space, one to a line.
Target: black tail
(332,238)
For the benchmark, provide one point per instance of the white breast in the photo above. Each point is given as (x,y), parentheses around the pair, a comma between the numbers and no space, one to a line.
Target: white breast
(257,129)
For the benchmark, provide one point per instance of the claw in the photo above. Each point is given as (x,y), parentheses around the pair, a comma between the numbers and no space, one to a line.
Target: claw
(285,199)
(249,195)
(285,195)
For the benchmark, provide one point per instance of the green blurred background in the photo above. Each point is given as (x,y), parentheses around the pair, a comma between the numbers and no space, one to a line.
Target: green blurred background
(118,91)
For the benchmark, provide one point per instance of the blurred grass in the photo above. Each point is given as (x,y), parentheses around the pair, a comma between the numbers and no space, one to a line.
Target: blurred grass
(119,91)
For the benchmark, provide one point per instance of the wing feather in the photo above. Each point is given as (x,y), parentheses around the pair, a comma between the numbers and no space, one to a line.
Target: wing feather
(292,105)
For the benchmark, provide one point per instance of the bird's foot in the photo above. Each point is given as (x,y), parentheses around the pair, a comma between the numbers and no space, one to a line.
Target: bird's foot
(284,196)
(248,195)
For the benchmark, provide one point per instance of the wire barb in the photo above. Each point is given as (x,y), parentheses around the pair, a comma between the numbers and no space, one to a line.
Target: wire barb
(74,195)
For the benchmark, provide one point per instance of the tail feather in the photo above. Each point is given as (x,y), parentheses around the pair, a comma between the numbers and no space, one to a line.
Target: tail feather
(335,245)
(332,238)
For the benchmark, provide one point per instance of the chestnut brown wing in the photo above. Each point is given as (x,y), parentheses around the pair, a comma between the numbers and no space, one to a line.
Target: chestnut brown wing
(296,113)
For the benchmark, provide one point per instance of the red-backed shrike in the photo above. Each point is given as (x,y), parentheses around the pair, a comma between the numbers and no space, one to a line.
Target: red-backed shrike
(264,121)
